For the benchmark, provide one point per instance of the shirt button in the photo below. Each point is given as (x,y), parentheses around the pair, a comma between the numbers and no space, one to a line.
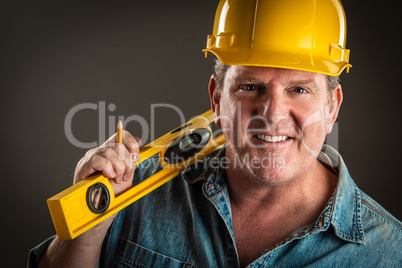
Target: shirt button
(211,186)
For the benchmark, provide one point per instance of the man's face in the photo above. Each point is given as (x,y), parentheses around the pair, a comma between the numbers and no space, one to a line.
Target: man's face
(274,120)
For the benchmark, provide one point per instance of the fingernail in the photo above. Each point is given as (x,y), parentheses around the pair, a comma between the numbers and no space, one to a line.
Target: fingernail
(135,157)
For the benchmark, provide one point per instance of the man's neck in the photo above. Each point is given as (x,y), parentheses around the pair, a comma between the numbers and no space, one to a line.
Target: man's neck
(265,214)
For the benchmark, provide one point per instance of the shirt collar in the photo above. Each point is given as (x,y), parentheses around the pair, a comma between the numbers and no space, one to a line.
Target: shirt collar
(210,169)
(343,210)
(345,214)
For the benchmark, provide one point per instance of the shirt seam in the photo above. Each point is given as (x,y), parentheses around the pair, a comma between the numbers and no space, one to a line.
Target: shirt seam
(151,251)
(379,213)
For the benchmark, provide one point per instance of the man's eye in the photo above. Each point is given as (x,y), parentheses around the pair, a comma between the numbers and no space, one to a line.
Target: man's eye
(300,90)
(249,87)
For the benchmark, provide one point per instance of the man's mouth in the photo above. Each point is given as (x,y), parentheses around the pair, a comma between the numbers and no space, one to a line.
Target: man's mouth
(267,138)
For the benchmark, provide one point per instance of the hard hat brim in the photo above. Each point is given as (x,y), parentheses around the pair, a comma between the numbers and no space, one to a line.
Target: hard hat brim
(286,61)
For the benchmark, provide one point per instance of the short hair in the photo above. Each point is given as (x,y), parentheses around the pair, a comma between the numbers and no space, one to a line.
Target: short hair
(221,69)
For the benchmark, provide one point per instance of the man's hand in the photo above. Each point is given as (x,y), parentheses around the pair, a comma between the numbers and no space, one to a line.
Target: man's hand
(114,160)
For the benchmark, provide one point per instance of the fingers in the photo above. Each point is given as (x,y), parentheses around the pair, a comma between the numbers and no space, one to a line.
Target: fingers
(133,144)
(115,160)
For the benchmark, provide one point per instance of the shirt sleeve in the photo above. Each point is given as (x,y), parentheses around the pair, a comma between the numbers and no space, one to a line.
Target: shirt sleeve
(37,252)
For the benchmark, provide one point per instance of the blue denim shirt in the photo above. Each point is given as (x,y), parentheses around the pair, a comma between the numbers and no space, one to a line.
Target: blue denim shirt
(187,223)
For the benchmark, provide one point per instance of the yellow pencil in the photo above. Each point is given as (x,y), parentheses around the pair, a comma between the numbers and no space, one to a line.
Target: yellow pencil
(119,136)
(98,192)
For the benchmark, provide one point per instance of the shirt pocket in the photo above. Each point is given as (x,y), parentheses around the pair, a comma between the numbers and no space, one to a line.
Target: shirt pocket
(130,254)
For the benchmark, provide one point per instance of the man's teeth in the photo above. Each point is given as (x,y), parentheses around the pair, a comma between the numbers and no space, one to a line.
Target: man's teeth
(272,138)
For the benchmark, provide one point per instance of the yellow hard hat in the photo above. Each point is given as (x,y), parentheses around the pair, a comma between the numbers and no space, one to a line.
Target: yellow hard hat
(308,35)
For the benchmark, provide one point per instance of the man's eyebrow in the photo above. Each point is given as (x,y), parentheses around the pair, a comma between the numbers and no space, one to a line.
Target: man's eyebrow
(245,79)
(302,82)
(305,82)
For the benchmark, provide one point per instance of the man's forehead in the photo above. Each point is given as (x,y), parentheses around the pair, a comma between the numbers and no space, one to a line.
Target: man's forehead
(257,71)
(257,74)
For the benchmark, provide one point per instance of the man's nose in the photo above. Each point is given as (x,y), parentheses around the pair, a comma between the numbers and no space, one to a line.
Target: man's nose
(273,106)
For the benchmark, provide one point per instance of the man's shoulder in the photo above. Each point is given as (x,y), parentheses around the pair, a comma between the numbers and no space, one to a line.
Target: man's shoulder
(380,227)
(374,212)
(379,232)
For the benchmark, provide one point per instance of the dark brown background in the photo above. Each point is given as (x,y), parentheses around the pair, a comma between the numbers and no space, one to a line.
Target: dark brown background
(57,54)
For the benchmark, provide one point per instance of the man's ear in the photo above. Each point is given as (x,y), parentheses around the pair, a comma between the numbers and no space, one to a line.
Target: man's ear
(214,99)
(334,107)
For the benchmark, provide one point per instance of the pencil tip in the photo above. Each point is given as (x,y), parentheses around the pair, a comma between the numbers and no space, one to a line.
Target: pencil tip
(120,124)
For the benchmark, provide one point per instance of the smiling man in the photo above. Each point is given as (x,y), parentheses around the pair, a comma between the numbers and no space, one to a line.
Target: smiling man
(279,113)
(282,197)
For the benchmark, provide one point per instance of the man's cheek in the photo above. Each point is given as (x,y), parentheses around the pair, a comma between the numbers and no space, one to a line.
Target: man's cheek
(313,132)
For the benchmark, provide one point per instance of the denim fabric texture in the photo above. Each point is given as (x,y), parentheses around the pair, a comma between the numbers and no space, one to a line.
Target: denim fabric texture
(187,223)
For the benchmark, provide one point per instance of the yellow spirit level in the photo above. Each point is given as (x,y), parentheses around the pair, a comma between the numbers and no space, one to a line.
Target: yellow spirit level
(92,200)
